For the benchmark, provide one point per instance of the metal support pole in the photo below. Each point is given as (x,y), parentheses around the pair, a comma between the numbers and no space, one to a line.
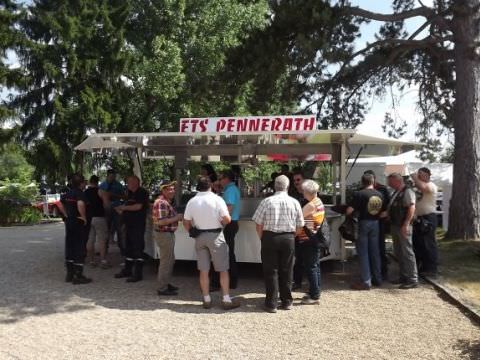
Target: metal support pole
(137,163)
(343,192)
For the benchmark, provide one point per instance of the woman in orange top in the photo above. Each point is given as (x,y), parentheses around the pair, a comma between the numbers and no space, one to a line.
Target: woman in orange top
(314,215)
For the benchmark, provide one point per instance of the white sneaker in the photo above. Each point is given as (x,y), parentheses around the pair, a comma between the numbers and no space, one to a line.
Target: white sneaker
(307,300)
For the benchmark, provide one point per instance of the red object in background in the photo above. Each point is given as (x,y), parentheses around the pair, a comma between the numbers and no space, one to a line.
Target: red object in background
(285,158)
(52,207)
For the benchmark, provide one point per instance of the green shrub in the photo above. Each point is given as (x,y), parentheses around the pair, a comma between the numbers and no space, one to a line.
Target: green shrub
(16,204)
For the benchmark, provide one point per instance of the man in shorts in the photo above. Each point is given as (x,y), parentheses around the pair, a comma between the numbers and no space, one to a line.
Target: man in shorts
(207,213)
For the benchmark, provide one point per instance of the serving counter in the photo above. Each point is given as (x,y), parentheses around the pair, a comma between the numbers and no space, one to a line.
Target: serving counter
(247,243)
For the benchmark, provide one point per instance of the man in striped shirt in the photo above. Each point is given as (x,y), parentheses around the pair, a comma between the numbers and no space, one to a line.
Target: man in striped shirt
(277,219)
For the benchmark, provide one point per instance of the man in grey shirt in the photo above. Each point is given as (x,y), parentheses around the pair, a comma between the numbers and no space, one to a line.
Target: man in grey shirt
(401,211)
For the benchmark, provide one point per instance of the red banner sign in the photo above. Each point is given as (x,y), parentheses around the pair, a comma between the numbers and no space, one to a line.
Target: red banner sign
(249,124)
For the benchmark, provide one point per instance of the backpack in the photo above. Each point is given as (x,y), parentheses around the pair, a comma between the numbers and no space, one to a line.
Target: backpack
(321,237)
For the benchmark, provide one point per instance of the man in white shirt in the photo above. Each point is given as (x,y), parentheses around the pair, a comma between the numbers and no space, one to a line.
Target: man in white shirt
(278,218)
(425,225)
(207,213)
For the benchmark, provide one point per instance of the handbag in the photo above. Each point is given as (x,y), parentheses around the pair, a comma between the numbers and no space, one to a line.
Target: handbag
(321,237)
(349,228)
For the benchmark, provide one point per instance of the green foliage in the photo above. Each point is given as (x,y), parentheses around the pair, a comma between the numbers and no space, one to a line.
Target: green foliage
(72,60)
(118,66)
(11,38)
(155,171)
(260,172)
(15,204)
(324,177)
(180,49)
(17,191)
(13,165)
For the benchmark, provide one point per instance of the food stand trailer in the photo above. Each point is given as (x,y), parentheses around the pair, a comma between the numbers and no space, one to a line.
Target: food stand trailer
(247,139)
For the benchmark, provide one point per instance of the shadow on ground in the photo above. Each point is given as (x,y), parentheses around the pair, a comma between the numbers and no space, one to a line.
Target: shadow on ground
(31,264)
(468,349)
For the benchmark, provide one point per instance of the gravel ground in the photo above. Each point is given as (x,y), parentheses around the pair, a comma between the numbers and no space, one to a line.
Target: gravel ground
(41,317)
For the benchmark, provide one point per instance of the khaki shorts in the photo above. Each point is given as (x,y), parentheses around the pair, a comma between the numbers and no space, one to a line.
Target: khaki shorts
(98,230)
(211,247)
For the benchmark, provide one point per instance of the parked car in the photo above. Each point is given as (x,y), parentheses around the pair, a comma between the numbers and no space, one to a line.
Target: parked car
(49,205)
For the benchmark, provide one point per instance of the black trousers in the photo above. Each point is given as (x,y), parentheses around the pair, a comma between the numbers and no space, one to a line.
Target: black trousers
(425,245)
(277,253)
(229,232)
(135,240)
(75,241)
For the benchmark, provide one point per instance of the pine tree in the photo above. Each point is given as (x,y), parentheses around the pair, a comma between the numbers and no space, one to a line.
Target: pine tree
(73,61)
(10,40)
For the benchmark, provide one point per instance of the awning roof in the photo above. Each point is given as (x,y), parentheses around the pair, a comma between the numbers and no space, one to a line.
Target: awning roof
(312,142)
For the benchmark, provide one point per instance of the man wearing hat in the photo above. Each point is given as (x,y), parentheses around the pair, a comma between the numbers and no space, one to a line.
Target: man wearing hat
(165,220)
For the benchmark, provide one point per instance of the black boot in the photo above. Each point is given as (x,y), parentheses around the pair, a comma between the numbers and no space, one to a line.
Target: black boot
(69,267)
(137,272)
(78,277)
(126,271)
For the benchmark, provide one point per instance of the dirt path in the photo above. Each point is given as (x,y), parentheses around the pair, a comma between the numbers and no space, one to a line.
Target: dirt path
(41,317)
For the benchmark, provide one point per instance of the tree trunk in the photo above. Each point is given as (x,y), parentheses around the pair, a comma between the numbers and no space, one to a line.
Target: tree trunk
(464,219)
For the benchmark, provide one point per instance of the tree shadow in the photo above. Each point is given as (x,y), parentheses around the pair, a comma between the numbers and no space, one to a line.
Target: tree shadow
(33,282)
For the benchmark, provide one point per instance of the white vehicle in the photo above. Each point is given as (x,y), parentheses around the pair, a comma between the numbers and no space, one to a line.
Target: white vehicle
(247,139)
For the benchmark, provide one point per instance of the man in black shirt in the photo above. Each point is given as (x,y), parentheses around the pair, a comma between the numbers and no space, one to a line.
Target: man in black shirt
(74,209)
(98,229)
(368,203)
(382,223)
(134,216)
(297,193)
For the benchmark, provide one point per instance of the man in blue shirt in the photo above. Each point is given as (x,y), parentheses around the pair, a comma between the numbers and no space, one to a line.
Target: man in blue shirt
(112,193)
(231,195)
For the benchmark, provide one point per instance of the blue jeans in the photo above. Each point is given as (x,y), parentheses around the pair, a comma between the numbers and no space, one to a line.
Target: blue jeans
(368,251)
(310,254)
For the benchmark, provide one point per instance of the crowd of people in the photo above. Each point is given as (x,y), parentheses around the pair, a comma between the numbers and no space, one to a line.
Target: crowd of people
(410,212)
(97,216)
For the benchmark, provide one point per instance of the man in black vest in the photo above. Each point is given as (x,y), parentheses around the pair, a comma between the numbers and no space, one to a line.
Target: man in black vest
(401,211)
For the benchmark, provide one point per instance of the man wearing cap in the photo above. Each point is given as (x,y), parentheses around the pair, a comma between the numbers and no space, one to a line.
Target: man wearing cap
(165,220)
(425,224)
(207,213)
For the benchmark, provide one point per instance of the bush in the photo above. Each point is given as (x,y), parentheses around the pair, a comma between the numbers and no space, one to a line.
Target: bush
(16,204)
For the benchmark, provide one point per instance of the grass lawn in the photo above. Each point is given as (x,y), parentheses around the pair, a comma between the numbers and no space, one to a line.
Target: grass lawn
(460,268)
